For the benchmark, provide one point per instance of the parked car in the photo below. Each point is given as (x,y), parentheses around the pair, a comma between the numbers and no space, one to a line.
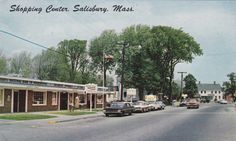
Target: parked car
(155,105)
(183,103)
(223,101)
(141,106)
(162,104)
(192,103)
(204,100)
(119,108)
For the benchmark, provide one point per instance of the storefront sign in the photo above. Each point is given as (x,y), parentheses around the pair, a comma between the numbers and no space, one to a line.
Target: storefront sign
(131,92)
(150,98)
(91,88)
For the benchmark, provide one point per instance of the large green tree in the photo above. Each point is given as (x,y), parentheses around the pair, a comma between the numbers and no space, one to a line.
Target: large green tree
(73,52)
(103,51)
(230,86)
(190,85)
(168,47)
(51,65)
(139,71)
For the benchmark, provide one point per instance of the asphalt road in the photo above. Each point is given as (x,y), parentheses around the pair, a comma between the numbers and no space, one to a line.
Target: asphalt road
(212,122)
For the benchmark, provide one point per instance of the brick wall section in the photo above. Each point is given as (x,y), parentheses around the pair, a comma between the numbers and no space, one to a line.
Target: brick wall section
(7,104)
(48,107)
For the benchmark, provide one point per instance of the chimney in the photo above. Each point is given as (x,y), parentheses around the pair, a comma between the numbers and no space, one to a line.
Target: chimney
(214,82)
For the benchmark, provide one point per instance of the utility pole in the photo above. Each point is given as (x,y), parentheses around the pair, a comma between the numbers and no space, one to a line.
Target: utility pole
(181,91)
(122,73)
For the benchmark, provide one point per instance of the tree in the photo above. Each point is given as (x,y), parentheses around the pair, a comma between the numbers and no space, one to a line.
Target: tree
(190,85)
(176,90)
(21,64)
(3,64)
(139,71)
(73,52)
(102,46)
(168,47)
(49,65)
(230,86)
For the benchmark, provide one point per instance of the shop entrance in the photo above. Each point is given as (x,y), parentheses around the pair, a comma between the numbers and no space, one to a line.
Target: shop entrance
(63,101)
(93,100)
(19,101)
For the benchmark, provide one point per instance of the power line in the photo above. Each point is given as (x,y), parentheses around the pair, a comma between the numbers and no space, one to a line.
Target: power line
(26,40)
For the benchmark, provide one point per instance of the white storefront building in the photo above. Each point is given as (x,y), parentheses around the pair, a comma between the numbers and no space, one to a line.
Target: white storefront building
(210,91)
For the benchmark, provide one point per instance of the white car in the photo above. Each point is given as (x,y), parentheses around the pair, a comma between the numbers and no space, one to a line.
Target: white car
(156,105)
(141,106)
(223,101)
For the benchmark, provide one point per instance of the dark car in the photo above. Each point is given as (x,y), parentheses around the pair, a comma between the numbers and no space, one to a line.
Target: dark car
(119,108)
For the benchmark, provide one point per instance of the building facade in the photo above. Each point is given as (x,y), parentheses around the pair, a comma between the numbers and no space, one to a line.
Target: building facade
(209,91)
(31,95)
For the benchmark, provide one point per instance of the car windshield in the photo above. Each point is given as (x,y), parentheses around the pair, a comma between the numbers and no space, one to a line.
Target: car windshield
(117,105)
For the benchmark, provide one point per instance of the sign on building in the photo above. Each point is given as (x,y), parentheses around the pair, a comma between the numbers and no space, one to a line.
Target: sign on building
(150,97)
(131,92)
(91,88)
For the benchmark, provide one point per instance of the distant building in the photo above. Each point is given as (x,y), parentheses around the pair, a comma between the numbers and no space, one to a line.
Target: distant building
(210,91)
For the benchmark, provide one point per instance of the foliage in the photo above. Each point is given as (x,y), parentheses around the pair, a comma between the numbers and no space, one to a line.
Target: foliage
(175,90)
(102,46)
(230,86)
(150,57)
(190,85)
(169,47)
(73,52)
(21,64)
(3,64)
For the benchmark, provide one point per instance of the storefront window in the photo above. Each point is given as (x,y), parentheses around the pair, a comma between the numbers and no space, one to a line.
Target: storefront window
(1,97)
(54,98)
(99,99)
(39,98)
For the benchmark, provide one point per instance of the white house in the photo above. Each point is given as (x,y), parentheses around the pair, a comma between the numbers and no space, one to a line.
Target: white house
(210,91)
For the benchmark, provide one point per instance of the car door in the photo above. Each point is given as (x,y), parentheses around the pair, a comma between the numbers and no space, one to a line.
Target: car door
(126,107)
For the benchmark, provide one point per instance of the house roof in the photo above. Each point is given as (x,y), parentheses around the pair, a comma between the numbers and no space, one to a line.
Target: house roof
(16,82)
(209,87)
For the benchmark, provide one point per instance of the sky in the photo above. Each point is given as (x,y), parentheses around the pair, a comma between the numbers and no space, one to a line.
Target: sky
(212,23)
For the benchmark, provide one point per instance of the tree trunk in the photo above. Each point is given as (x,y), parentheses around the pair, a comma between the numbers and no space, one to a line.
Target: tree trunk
(140,92)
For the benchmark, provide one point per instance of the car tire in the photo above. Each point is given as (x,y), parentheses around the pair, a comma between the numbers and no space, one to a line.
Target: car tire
(130,113)
(107,115)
